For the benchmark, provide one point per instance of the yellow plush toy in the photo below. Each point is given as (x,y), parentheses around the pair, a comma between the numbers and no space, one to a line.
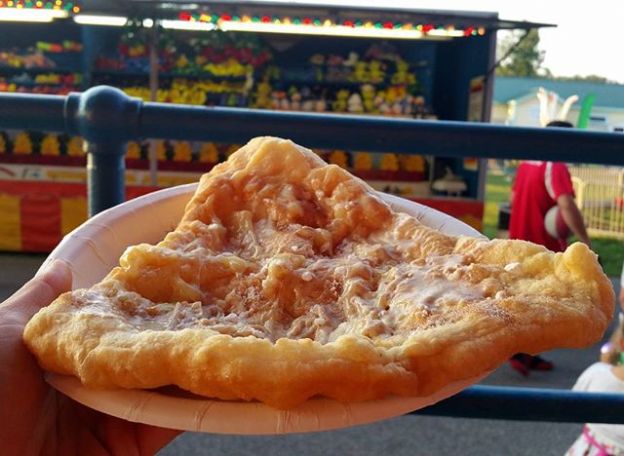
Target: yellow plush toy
(50,146)
(368,97)
(363,161)
(389,162)
(360,72)
(137,50)
(182,62)
(22,145)
(161,151)
(208,153)
(134,150)
(231,149)
(392,95)
(340,104)
(182,151)
(376,72)
(413,163)
(231,67)
(263,96)
(75,147)
(339,157)
(402,75)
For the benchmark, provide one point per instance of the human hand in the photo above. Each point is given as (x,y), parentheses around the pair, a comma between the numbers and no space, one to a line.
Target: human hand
(34,417)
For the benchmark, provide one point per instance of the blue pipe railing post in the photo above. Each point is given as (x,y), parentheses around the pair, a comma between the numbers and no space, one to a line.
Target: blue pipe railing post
(107,119)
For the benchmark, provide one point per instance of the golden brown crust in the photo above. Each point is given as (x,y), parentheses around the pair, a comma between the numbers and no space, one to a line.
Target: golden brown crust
(288,278)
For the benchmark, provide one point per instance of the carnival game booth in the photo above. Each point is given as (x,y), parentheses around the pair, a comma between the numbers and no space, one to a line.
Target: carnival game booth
(382,62)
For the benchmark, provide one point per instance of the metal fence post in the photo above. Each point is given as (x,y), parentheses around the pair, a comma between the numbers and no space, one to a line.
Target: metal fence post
(107,119)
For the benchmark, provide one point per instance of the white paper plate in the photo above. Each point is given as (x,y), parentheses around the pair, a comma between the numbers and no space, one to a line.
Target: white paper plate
(244,418)
(94,248)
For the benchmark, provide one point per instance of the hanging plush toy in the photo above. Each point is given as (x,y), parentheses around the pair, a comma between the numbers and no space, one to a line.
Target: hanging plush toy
(133,151)
(182,63)
(376,72)
(340,158)
(75,147)
(381,105)
(412,163)
(320,105)
(3,143)
(389,162)
(182,151)
(402,74)
(231,149)
(22,145)
(208,153)
(363,161)
(317,59)
(360,72)
(50,146)
(295,99)
(354,104)
(368,97)
(263,96)
(352,60)
(161,151)
(284,104)
(340,104)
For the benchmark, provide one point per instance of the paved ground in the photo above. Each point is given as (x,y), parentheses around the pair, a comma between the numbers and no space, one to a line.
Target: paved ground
(409,435)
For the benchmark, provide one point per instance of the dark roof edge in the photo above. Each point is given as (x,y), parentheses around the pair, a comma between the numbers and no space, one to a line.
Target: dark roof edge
(487,19)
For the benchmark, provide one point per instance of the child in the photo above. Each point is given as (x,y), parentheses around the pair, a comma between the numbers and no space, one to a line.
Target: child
(604,376)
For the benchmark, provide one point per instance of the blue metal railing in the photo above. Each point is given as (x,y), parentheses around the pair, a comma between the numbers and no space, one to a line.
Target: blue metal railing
(107,119)
(531,404)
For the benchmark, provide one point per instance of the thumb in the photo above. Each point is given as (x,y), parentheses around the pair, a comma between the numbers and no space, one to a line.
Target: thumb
(54,279)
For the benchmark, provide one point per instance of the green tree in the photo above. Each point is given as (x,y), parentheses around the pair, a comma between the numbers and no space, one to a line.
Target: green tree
(521,55)
(588,78)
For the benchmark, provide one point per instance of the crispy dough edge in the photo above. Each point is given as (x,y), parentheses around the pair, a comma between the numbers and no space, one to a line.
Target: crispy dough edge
(281,374)
(103,352)
(285,373)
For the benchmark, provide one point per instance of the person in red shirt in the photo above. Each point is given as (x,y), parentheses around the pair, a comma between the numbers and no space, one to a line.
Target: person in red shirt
(538,187)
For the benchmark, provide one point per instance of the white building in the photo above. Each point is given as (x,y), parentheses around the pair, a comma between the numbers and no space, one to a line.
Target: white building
(516,102)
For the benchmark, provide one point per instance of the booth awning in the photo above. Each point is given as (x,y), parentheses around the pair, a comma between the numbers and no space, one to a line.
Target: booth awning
(313,13)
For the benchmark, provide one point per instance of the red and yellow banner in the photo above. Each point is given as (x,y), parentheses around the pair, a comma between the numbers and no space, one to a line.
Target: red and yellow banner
(34,216)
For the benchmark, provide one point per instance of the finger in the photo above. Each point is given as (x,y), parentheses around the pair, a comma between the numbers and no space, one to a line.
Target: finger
(40,291)
(124,437)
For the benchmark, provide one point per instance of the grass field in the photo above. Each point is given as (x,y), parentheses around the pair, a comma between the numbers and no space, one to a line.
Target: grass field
(497,190)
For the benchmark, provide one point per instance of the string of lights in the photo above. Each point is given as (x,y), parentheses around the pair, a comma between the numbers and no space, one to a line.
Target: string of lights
(227,21)
(69,6)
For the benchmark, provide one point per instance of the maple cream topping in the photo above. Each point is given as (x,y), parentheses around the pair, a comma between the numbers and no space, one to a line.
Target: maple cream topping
(282,246)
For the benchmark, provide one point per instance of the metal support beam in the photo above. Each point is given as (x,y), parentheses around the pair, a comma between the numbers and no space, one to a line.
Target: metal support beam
(375,134)
(30,112)
(531,404)
(108,119)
